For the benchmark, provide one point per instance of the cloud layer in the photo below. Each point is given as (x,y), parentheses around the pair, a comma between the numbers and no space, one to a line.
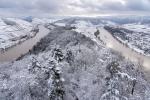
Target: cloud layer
(71,7)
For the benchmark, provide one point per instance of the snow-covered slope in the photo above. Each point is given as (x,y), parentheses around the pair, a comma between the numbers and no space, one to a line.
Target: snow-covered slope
(137,27)
(13,31)
(81,21)
(45,20)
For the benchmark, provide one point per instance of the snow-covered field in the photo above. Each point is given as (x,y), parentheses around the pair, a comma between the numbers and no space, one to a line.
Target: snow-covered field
(137,37)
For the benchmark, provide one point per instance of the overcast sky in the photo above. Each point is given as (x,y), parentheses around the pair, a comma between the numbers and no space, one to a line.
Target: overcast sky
(73,7)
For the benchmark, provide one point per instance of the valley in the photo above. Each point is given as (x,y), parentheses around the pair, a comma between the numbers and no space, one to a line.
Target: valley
(67,60)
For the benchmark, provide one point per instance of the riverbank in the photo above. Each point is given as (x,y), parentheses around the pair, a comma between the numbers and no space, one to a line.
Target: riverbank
(137,41)
(18,42)
(24,47)
(14,31)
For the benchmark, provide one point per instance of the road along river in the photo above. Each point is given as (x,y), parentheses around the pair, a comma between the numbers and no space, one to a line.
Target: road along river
(16,51)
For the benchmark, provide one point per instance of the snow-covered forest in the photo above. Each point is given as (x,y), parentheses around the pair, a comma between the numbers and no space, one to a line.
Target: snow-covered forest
(72,64)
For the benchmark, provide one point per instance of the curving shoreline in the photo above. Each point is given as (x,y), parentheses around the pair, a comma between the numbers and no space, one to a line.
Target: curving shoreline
(127,52)
(16,51)
(2,50)
(113,32)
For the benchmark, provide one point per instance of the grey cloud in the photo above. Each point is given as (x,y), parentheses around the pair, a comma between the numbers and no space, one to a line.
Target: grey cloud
(109,5)
(142,5)
(31,6)
(35,7)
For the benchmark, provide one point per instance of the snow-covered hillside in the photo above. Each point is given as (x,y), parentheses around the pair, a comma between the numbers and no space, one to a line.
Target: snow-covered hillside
(14,31)
(82,21)
(137,27)
(44,20)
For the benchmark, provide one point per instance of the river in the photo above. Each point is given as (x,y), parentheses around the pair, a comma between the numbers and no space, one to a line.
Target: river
(16,51)
(128,53)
